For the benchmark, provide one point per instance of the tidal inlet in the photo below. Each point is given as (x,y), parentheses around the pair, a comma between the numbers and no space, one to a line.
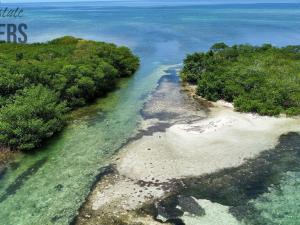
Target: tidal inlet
(149,112)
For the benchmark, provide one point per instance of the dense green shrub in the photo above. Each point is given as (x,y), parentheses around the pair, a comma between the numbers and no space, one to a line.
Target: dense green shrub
(34,115)
(39,82)
(265,79)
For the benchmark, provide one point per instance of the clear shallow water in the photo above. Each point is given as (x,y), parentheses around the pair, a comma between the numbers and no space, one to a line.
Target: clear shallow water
(281,204)
(48,187)
(262,191)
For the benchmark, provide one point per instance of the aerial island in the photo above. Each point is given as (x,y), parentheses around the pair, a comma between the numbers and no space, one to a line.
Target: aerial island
(41,82)
(263,80)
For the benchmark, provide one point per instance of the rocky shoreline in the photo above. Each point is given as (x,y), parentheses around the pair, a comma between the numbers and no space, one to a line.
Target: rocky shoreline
(187,142)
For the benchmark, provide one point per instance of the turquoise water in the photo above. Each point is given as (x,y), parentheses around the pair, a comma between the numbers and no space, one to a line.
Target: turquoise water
(262,191)
(281,204)
(48,187)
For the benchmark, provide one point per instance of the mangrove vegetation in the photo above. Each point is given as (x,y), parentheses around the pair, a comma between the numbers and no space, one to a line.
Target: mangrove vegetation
(41,82)
(260,79)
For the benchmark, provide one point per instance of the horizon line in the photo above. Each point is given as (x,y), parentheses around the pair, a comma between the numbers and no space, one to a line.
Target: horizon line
(162,2)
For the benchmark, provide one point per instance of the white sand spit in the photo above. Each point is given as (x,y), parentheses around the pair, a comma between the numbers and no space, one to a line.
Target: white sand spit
(225,139)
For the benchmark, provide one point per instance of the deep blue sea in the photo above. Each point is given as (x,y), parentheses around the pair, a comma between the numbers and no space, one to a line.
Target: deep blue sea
(48,187)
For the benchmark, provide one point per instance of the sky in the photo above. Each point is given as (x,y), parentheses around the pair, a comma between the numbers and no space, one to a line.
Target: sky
(199,1)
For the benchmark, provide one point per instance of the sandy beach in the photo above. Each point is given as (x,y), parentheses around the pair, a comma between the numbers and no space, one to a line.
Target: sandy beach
(195,142)
(225,139)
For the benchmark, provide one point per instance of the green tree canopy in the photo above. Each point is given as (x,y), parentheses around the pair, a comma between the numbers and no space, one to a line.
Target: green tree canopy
(34,115)
(265,79)
(39,82)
